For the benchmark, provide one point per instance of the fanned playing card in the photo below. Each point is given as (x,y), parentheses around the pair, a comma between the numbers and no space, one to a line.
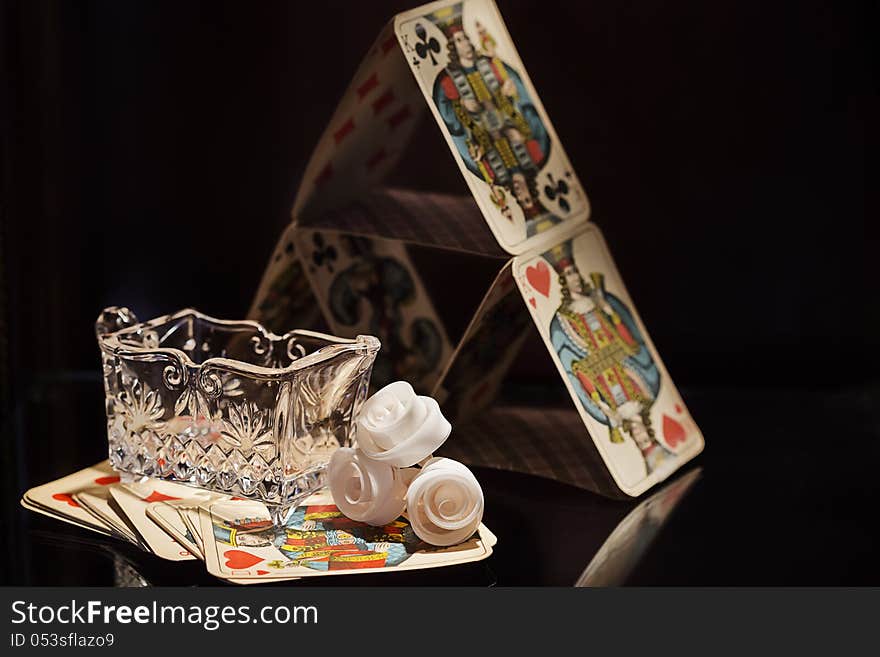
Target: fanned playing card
(99,529)
(235,537)
(56,497)
(242,545)
(94,498)
(169,518)
(99,502)
(135,500)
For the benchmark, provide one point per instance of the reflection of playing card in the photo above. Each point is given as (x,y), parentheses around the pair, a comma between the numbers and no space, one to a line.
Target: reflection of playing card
(486,351)
(241,544)
(369,286)
(56,497)
(626,398)
(169,518)
(492,118)
(134,500)
(632,537)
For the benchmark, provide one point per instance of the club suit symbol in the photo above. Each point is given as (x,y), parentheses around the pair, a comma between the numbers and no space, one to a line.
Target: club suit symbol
(380,288)
(324,254)
(557,189)
(426,47)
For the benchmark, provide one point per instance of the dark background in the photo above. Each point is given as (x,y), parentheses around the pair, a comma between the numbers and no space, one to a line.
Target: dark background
(151,153)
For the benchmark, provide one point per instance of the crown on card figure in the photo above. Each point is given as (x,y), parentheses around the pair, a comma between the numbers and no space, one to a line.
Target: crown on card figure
(246,525)
(448,19)
(560,257)
(486,40)
(598,280)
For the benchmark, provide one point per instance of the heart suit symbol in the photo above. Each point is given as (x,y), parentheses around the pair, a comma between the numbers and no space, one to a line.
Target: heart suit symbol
(539,278)
(64,497)
(673,432)
(106,481)
(240,560)
(156,496)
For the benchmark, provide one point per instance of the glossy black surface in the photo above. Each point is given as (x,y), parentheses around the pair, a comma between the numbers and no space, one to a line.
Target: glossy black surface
(778,499)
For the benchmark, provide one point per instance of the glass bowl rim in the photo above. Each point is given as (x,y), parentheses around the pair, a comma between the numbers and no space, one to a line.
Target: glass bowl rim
(110,343)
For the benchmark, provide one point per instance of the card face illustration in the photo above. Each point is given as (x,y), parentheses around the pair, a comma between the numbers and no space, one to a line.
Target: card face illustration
(241,543)
(369,286)
(626,398)
(492,118)
(284,300)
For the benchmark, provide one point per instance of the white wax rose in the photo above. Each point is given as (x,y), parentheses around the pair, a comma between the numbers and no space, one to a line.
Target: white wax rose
(444,503)
(400,428)
(366,490)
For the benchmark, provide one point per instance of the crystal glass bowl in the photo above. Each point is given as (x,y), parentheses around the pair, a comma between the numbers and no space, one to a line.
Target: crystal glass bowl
(227,405)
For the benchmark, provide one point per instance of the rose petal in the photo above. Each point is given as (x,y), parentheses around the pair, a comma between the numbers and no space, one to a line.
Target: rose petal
(444,503)
(421,443)
(363,489)
(391,415)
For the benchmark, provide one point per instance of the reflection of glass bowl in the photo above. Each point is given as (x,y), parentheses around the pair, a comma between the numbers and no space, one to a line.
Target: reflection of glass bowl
(227,405)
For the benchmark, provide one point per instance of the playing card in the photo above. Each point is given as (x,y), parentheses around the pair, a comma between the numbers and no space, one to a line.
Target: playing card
(284,300)
(492,118)
(134,499)
(369,286)
(241,544)
(486,351)
(104,531)
(56,497)
(368,132)
(99,503)
(168,517)
(189,513)
(633,412)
